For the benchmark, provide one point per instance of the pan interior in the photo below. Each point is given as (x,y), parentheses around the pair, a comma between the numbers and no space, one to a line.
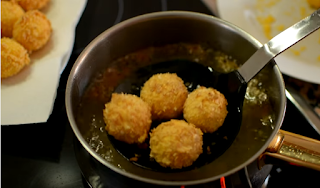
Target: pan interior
(194,75)
(125,76)
(138,43)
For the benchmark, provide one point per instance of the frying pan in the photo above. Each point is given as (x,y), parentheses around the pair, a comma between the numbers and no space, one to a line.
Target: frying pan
(236,144)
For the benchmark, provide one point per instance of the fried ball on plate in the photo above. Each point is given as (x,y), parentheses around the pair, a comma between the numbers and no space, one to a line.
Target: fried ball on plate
(10,13)
(165,94)
(175,144)
(32,4)
(127,118)
(206,108)
(32,30)
(13,57)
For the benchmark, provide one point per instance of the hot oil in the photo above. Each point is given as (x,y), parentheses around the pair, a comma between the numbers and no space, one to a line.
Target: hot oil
(257,110)
(195,75)
(128,75)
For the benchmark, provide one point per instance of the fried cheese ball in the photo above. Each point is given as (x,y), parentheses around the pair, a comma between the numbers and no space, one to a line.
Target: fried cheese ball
(127,118)
(13,57)
(175,144)
(206,108)
(165,94)
(32,4)
(32,30)
(10,13)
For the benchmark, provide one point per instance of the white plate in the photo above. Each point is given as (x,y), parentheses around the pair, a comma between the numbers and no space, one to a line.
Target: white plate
(301,61)
(28,97)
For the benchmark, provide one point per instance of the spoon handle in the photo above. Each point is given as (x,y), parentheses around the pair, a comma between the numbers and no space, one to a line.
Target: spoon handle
(279,44)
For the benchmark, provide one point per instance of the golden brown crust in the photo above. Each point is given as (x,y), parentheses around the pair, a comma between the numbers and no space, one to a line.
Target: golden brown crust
(13,57)
(32,4)
(32,30)
(127,118)
(165,94)
(10,13)
(206,108)
(175,144)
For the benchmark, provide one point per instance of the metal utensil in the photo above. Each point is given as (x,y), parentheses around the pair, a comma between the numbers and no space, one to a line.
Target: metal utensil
(279,44)
(233,85)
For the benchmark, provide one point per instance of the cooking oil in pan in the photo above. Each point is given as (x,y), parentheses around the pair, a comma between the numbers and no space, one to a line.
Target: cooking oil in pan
(127,75)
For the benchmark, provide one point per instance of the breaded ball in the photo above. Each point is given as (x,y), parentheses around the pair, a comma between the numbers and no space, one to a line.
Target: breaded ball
(165,94)
(206,108)
(175,144)
(127,118)
(10,13)
(32,30)
(13,57)
(32,4)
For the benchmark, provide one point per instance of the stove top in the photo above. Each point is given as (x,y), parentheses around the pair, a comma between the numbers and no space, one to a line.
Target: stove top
(48,154)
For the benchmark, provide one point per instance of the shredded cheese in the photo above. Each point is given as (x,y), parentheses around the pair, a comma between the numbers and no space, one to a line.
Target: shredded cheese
(298,52)
(266,25)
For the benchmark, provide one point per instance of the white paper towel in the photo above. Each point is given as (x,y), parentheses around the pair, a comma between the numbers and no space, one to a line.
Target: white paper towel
(29,96)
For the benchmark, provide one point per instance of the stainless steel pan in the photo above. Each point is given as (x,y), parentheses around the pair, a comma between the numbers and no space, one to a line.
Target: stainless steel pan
(157,29)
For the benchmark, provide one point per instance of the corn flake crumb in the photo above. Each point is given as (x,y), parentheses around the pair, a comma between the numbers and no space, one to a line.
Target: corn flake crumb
(134,159)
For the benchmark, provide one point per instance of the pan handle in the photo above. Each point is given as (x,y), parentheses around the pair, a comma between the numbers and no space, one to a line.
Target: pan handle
(294,148)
